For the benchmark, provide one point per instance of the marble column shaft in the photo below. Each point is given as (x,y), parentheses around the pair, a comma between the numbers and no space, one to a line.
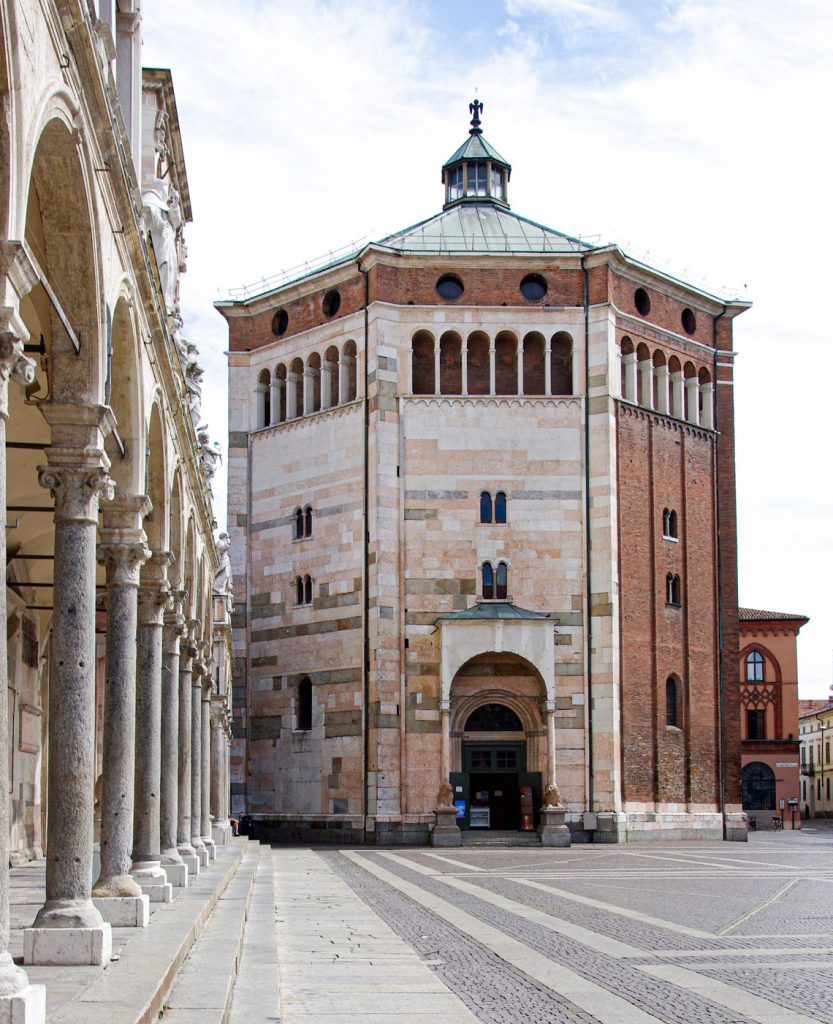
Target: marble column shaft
(183,827)
(205,762)
(173,628)
(153,597)
(218,810)
(14,365)
(122,552)
(76,478)
(196,758)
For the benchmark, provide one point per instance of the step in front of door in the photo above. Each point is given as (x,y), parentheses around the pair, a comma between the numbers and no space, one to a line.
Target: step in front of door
(498,838)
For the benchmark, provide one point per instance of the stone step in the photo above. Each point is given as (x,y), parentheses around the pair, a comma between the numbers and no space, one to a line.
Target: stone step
(500,838)
(203,987)
(256,996)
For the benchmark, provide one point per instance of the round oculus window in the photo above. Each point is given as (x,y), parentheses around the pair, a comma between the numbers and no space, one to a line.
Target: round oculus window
(688,321)
(449,287)
(533,287)
(280,322)
(642,301)
(332,302)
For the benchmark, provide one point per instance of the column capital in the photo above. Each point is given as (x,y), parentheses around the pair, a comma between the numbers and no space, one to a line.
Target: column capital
(154,598)
(77,489)
(126,512)
(14,365)
(122,556)
(174,619)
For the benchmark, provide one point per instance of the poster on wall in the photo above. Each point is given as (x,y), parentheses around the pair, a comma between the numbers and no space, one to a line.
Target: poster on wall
(461,808)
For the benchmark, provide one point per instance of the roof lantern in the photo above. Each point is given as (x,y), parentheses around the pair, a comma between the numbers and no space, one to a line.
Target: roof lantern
(476,173)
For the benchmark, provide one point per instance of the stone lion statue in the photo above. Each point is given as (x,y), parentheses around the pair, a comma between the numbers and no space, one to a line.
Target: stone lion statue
(552,796)
(445,795)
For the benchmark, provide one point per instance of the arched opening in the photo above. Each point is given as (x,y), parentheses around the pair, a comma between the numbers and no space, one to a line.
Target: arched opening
(263,398)
(500,507)
(627,360)
(501,581)
(691,395)
(706,398)
(485,507)
(672,702)
(312,384)
(506,364)
(660,382)
(533,364)
(500,749)
(477,364)
(350,359)
(755,667)
(298,524)
(280,381)
(451,364)
(758,787)
(644,380)
(561,364)
(296,382)
(308,521)
(488,581)
(422,364)
(157,487)
(175,533)
(299,590)
(675,376)
(329,377)
(307,590)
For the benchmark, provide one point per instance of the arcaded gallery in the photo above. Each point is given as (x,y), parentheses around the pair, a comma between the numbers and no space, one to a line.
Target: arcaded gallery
(482,514)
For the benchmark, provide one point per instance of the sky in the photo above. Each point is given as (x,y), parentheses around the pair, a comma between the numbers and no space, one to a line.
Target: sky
(693,133)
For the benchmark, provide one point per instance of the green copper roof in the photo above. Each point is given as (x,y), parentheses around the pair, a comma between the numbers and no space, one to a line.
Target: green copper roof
(476,148)
(490,610)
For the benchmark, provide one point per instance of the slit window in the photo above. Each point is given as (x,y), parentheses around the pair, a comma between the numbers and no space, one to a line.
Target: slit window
(299,590)
(307,590)
(304,716)
(672,716)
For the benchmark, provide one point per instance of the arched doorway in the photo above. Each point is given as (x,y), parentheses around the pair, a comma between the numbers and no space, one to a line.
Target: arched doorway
(758,782)
(498,739)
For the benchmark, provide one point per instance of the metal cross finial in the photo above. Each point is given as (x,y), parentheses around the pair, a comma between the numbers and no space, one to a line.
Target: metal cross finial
(474,110)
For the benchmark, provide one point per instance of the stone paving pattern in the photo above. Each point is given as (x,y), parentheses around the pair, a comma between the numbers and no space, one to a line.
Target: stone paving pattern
(675,932)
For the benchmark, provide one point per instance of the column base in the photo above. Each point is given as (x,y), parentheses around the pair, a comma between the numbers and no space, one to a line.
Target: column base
(221,833)
(735,827)
(124,911)
(28,1006)
(177,874)
(212,849)
(153,881)
(192,862)
(446,830)
(201,852)
(68,947)
(552,828)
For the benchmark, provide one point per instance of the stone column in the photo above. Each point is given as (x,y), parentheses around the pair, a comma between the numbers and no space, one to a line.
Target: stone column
(446,831)
(172,630)
(548,367)
(122,551)
(445,765)
(551,742)
(552,828)
(187,650)
(437,368)
(196,763)
(692,393)
(464,365)
(327,368)
(219,811)
(646,378)
(291,395)
(629,362)
(520,370)
(491,366)
(205,768)
(68,929)
(309,391)
(275,400)
(677,394)
(344,364)
(662,388)
(19,1001)
(147,867)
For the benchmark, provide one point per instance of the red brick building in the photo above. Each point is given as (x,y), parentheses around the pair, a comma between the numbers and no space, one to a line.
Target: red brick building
(769,715)
(482,507)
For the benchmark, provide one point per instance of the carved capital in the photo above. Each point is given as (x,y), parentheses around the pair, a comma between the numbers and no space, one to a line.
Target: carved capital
(123,561)
(77,491)
(154,598)
(14,365)
(174,620)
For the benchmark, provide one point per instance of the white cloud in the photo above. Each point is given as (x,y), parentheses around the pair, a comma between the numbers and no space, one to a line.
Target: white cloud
(697,130)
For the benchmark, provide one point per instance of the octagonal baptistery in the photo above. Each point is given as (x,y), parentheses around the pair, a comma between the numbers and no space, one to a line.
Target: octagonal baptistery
(482,508)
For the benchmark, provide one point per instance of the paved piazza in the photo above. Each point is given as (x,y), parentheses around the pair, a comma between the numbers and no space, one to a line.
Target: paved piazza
(675,932)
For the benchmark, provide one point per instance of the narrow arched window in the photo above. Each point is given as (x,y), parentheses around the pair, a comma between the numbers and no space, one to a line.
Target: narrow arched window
(299,590)
(673,524)
(666,522)
(298,524)
(754,667)
(485,507)
(672,716)
(308,521)
(500,507)
(304,714)
(488,581)
(673,592)
(307,590)
(501,581)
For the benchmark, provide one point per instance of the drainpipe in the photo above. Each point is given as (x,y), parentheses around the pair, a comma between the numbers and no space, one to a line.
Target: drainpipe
(587,541)
(720,670)
(366,558)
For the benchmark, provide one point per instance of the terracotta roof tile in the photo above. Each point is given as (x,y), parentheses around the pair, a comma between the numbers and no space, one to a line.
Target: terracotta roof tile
(757,615)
